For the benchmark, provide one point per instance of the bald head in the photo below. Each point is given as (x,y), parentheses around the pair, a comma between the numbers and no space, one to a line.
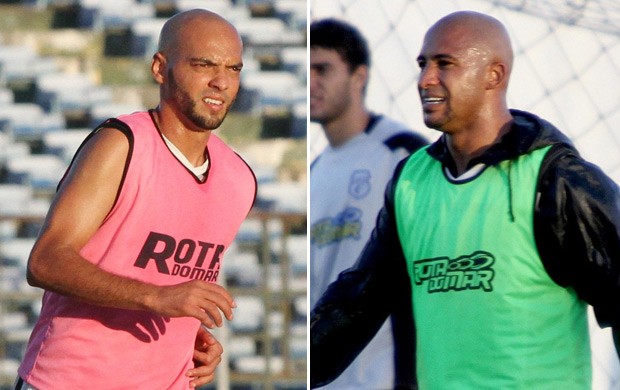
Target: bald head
(478,32)
(174,30)
(465,61)
(197,66)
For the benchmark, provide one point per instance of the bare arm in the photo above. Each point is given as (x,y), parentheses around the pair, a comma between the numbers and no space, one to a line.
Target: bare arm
(78,210)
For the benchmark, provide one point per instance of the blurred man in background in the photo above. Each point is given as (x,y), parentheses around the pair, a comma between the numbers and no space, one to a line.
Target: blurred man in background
(347,183)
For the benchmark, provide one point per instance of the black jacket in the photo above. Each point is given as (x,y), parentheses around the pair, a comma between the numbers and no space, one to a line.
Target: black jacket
(577,232)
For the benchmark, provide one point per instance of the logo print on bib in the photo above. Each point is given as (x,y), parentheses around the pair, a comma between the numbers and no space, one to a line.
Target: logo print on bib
(469,272)
(359,184)
(345,225)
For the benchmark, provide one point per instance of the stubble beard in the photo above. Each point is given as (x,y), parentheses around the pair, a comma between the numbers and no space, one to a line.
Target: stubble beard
(438,120)
(187,108)
(330,112)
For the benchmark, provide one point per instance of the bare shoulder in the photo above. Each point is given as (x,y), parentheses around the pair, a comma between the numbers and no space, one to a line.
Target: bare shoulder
(99,163)
(88,191)
(106,140)
(104,149)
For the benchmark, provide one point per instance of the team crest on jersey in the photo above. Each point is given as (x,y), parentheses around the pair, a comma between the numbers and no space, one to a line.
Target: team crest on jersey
(359,183)
(469,272)
(347,224)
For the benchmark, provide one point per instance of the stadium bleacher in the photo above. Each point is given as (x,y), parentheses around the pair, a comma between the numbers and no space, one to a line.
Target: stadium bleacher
(53,92)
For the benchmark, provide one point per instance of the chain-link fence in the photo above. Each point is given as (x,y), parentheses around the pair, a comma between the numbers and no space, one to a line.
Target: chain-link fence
(567,62)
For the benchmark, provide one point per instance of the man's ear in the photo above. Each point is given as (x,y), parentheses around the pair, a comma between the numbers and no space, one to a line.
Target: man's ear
(360,77)
(158,68)
(497,75)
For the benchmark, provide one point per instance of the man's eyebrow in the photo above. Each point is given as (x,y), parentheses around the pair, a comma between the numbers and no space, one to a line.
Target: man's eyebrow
(320,65)
(203,60)
(435,57)
(439,56)
(207,61)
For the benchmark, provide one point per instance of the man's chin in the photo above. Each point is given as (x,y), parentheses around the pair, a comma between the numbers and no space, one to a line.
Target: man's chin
(316,119)
(214,122)
(434,123)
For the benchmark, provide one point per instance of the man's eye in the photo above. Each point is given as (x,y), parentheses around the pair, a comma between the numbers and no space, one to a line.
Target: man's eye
(320,70)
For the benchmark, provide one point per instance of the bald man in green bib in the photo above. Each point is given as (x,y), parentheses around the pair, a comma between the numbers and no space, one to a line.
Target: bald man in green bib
(503,233)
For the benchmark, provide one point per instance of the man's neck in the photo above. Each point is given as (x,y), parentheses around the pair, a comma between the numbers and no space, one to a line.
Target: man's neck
(192,144)
(345,128)
(466,145)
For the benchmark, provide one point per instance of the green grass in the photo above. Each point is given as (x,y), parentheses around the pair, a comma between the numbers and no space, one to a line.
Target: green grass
(240,129)
(125,71)
(294,160)
(19,18)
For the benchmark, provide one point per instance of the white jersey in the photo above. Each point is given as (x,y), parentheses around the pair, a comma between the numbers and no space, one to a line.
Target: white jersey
(347,186)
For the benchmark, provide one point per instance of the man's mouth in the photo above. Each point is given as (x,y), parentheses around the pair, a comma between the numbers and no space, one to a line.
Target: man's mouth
(215,102)
(432,100)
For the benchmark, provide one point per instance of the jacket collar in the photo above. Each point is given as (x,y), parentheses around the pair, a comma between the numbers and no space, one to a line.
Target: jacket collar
(527,133)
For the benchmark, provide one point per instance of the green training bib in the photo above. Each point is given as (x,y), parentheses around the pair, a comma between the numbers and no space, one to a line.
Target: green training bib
(488,316)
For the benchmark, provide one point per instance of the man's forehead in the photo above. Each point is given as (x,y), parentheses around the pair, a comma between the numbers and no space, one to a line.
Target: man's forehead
(324,55)
(212,49)
(444,44)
